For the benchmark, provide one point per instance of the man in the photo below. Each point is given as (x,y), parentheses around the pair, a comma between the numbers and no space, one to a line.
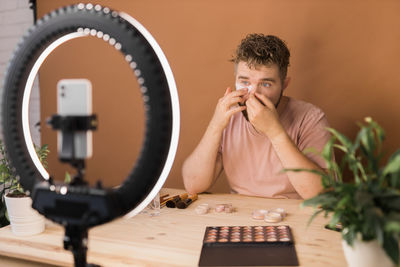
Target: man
(256,132)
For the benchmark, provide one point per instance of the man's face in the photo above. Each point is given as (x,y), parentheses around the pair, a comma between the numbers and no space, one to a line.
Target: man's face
(262,79)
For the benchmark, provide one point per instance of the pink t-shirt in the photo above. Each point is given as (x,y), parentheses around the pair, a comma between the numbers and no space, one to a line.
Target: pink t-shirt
(251,163)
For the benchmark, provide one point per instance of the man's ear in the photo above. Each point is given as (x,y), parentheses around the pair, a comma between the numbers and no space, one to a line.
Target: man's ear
(286,83)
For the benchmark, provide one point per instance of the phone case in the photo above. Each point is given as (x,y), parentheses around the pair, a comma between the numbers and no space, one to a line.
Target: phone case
(74,98)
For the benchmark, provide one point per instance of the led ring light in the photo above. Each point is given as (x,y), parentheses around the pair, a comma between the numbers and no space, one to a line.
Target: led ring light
(158,88)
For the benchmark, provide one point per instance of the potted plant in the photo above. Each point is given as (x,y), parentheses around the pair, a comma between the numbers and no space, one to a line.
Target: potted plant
(15,205)
(368,207)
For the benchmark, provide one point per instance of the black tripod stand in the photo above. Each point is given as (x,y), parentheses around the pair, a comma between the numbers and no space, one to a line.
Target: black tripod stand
(77,216)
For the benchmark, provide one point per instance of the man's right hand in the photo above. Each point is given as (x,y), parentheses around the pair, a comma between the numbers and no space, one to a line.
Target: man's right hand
(201,168)
(227,106)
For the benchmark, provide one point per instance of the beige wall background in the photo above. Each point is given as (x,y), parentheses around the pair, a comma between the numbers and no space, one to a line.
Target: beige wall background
(345,58)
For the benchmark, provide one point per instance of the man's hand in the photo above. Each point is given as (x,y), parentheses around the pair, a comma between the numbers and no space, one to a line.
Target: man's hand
(201,168)
(264,118)
(226,107)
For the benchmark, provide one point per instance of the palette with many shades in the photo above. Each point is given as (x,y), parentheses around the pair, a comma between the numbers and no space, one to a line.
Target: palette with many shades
(248,246)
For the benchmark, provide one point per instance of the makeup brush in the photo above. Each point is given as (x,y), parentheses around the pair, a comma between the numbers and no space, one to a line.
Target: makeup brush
(163,197)
(185,203)
(164,201)
(171,203)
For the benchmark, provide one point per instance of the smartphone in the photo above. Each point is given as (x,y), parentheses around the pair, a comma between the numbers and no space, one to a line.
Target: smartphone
(74,98)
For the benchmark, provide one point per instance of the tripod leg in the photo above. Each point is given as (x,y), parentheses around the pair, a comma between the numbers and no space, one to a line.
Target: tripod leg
(75,240)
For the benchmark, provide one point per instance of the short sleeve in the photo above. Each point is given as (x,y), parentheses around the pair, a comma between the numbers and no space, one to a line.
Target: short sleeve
(314,134)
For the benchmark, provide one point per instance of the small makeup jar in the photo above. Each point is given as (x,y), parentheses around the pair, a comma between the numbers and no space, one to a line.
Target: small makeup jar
(281,211)
(259,214)
(202,209)
(273,217)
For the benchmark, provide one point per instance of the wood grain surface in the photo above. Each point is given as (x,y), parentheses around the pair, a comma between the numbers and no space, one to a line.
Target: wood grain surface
(174,238)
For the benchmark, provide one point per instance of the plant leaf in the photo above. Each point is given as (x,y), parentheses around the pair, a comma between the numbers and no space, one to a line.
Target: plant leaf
(327,150)
(341,137)
(327,200)
(393,226)
(335,219)
(362,171)
(315,214)
(333,168)
(349,234)
(393,164)
(67,179)
(391,247)
(341,147)
(380,133)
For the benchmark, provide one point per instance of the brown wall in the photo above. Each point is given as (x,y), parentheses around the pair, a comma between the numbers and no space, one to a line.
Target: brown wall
(345,58)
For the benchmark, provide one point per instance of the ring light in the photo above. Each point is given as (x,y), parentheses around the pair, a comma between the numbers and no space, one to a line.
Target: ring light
(161,104)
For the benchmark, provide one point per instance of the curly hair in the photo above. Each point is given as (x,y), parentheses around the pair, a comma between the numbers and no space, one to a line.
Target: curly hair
(260,49)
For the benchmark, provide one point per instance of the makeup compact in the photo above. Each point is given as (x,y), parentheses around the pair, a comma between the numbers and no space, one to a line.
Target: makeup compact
(271,216)
(248,246)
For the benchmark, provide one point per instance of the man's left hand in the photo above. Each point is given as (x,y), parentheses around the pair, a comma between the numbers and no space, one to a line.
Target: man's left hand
(264,118)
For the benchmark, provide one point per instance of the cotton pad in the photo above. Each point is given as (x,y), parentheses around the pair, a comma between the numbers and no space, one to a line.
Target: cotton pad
(248,87)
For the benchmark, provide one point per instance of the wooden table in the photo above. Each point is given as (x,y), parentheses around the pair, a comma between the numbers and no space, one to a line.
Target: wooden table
(174,238)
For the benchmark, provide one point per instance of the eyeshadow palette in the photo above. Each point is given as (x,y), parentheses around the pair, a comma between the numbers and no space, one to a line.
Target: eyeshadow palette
(248,246)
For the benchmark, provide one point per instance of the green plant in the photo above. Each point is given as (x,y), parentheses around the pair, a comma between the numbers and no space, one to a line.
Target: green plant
(6,173)
(9,183)
(369,205)
(43,152)
(6,183)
